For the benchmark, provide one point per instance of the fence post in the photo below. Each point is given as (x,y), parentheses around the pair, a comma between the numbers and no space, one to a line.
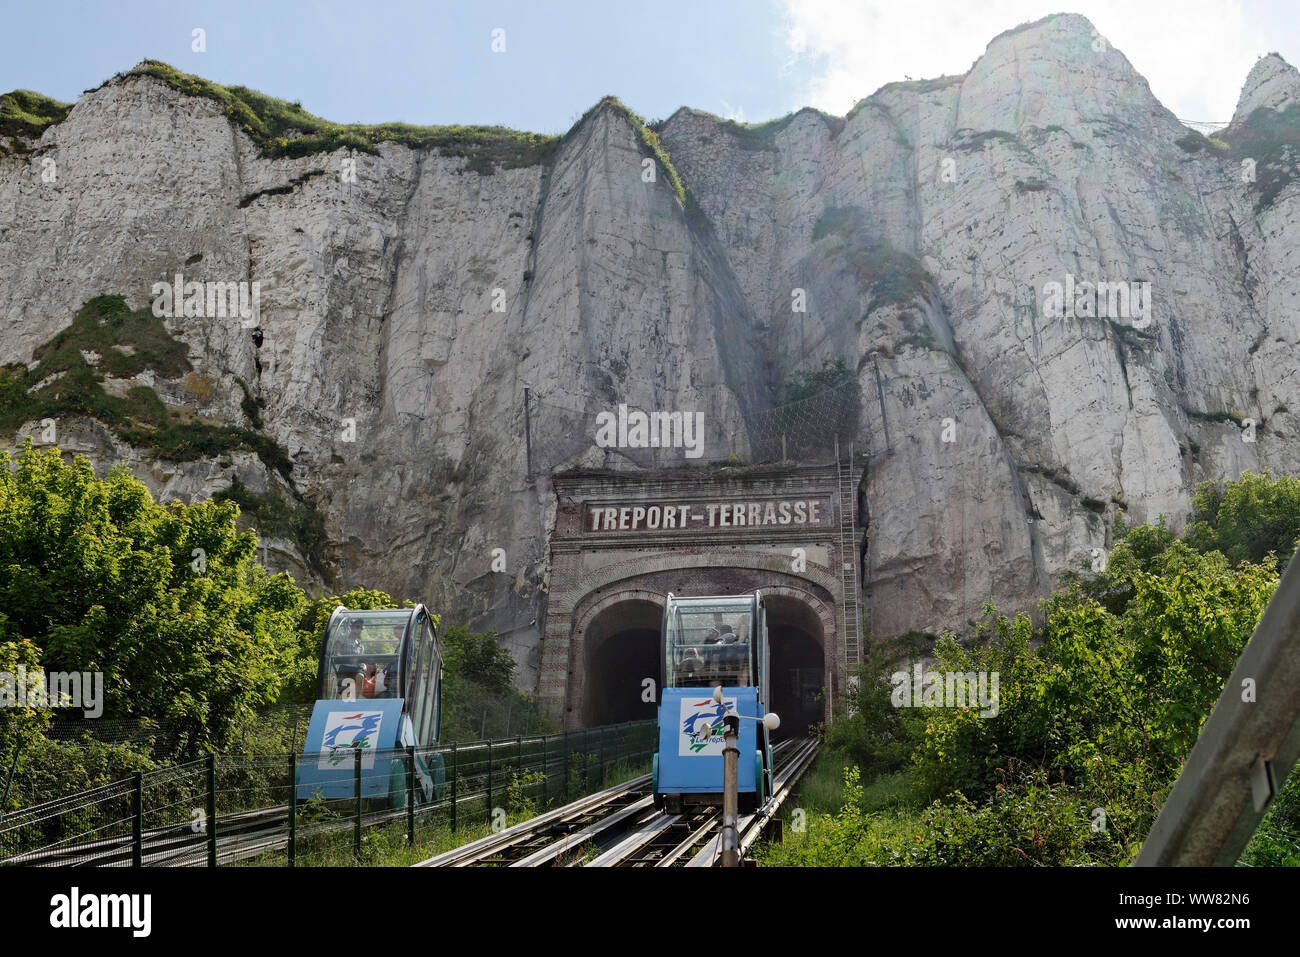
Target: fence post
(293,806)
(602,758)
(545,770)
(454,775)
(356,782)
(410,796)
(212,810)
(489,783)
(566,767)
(137,823)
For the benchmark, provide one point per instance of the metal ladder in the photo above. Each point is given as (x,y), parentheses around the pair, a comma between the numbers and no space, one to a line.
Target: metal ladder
(848,507)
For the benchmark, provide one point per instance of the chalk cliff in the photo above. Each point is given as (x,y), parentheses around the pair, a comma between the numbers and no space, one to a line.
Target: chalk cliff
(405,310)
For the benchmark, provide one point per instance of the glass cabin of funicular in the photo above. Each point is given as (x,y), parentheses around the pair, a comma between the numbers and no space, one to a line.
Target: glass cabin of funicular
(363,655)
(710,641)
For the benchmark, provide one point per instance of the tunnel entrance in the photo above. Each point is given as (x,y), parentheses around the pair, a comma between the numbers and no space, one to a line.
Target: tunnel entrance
(798,667)
(621,542)
(622,650)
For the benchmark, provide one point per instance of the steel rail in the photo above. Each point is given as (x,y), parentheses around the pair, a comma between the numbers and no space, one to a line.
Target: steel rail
(478,851)
(751,825)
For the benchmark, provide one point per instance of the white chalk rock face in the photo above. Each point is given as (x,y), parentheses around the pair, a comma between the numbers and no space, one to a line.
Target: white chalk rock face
(1056,300)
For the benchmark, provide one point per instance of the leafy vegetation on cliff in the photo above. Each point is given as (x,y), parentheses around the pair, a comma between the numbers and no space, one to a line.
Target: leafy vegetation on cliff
(108,340)
(892,276)
(649,140)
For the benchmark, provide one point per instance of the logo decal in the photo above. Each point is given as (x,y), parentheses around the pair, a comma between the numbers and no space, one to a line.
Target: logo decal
(346,733)
(701,726)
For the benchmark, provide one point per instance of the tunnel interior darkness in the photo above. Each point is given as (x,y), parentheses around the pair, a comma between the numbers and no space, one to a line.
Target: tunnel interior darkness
(798,668)
(622,650)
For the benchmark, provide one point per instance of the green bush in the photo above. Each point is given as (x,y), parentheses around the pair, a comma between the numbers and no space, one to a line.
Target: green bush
(1098,708)
(166,601)
(1247,519)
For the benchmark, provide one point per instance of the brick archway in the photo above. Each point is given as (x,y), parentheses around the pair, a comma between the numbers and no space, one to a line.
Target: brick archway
(622,541)
(647,587)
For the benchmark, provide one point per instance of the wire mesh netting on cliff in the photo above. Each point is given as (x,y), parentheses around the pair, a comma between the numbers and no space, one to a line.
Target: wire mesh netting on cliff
(563,435)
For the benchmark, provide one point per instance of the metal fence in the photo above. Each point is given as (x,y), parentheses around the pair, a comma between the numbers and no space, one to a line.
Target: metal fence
(244,809)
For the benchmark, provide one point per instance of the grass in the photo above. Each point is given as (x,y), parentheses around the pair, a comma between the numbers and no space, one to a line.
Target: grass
(281,128)
(836,220)
(1131,336)
(911,86)
(892,276)
(821,789)
(26,115)
(892,817)
(65,382)
(970,142)
(1056,476)
(651,146)
(762,136)
(280,190)
(921,340)
(1194,142)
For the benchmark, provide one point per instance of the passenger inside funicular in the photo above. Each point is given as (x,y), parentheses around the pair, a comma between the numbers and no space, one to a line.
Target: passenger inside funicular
(733,658)
(708,651)
(363,658)
(391,673)
(346,671)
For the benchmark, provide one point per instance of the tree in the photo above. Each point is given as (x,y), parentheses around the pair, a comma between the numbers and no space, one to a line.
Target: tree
(478,659)
(1248,518)
(167,602)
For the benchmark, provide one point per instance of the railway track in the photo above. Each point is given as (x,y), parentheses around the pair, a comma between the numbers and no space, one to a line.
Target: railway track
(616,827)
(172,845)
(751,826)
(552,837)
(692,839)
(620,827)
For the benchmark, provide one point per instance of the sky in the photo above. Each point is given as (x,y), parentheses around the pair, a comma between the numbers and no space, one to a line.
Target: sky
(432,61)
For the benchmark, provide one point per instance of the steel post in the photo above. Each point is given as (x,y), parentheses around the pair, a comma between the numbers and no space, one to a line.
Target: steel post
(731,792)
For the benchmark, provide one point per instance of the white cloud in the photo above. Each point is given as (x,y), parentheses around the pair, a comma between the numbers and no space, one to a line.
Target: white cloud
(1194,53)
(730,112)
